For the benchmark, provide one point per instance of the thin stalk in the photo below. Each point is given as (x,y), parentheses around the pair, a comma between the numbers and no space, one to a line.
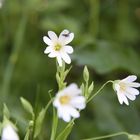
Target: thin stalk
(61,71)
(14,56)
(108,136)
(54,125)
(99,90)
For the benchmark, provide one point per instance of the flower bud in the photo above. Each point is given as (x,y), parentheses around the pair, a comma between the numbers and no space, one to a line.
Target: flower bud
(86,74)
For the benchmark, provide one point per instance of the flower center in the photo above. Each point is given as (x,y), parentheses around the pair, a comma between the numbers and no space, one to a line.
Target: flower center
(64,100)
(57,47)
(122,86)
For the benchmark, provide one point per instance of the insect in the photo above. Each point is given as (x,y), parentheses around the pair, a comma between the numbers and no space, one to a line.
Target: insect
(66,35)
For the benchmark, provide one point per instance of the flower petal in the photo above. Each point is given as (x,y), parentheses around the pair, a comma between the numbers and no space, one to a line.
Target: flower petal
(52,54)
(68,49)
(47,40)
(122,98)
(65,37)
(52,36)
(73,112)
(72,90)
(130,96)
(66,58)
(132,91)
(59,60)
(48,50)
(78,102)
(130,79)
(134,84)
(65,114)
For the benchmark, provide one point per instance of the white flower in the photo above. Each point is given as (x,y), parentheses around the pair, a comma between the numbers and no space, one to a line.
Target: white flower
(58,46)
(126,88)
(68,102)
(9,133)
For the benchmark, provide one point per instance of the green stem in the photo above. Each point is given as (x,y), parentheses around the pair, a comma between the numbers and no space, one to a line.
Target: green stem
(54,125)
(108,136)
(60,71)
(14,56)
(98,91)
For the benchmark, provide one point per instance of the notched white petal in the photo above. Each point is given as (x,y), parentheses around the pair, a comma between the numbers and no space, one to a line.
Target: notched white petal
(48,50)
(130,96)
(68,49)
(130,78)
(134,84)
(120,98)
(52,36)
(47,40)
(133,91)
(74,113)
(52,54)
(66,58)
(66,37)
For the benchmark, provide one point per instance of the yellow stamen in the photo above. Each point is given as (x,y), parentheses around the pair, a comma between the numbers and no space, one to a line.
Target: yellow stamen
(57,47)
(64,99)
(122,86)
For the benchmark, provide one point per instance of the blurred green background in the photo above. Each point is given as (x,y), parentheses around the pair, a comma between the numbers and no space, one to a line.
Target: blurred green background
(107,40)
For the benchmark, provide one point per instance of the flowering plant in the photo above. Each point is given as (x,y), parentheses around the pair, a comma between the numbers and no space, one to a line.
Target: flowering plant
(70,99)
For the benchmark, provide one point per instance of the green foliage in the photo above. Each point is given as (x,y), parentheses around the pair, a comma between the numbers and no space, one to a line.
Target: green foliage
(65,133)
(27,106)
(39,122)
(6,112)
(106,41)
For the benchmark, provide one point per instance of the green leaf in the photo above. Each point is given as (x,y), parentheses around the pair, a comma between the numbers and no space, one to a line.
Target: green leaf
(6,112)
(108,56)
(27,106)
(39,122)
(65,133)
(27,136)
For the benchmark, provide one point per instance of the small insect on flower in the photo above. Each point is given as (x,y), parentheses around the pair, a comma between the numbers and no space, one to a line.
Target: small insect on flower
(66,35)
(58,46)
(9,133)
(126,88)
(68,102)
